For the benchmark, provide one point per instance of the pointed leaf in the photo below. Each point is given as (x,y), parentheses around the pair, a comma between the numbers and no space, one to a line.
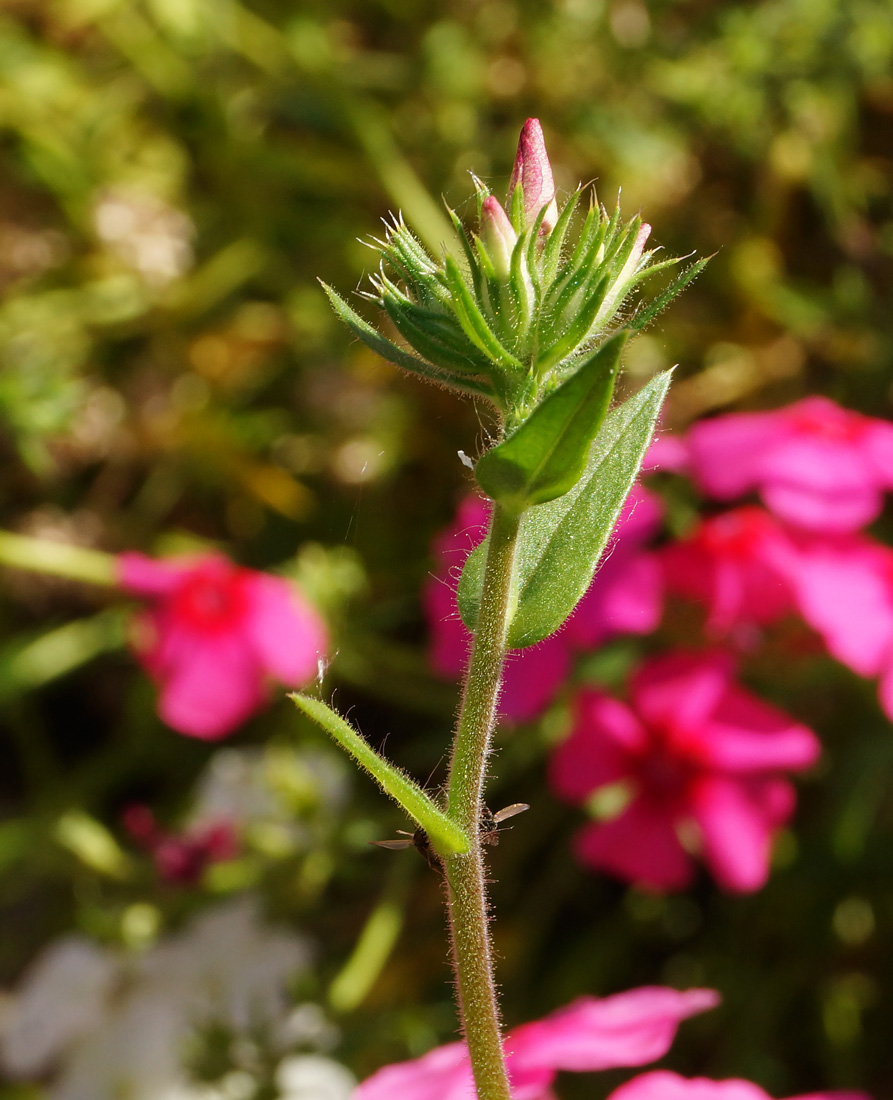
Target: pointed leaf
(547,455)
(400,358)
(562,542)
(445,835)
(646,315)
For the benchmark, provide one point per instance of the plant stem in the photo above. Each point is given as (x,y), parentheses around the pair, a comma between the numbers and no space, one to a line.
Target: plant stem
(466,874)
(63,559)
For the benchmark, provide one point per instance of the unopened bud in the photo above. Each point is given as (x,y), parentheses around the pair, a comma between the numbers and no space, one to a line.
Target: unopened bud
(498,235)
(533,174)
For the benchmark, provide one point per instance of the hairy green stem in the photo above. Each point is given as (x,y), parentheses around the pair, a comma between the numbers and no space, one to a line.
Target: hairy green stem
(466,874)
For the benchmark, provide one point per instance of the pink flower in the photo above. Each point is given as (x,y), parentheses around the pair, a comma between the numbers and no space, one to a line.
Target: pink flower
(181,858)
(626,597)
(660,1084)
(844,590)
(738,564)
(629,1029)
(532,172)
(815,464)
(215,634)
(694,757)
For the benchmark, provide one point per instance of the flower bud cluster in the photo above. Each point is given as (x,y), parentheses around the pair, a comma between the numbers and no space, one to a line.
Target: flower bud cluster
(535,291)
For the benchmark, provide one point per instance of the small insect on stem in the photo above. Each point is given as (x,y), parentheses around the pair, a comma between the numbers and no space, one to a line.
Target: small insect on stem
(490,822)
(418,840)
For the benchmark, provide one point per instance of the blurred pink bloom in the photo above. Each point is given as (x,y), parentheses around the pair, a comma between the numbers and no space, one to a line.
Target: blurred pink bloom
(626,597)
(629,1029)
(215,634)
(844,590)
(694,756)
(667,452)
(738,564)
(532,172)
(660,1084)
(181,857)
(817,465)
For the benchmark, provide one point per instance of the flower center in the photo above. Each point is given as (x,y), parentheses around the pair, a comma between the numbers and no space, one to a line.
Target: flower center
(212,598)
(831,424)
(737,533)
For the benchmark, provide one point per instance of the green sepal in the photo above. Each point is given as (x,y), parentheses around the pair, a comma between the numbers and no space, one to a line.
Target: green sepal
(647,314)
(400,358)
(561,542)
(548,453)
(555,240)
(446,837)
(472,320)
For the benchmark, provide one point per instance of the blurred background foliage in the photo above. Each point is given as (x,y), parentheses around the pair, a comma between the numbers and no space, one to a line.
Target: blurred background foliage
(175,176)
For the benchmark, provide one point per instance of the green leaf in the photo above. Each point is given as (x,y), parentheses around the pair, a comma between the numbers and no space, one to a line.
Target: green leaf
(400,358)
(561,542)
(547,455)
(447,838)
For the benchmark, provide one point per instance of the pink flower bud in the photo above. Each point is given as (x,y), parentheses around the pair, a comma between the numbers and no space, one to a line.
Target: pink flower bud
(498,235)
(533,174)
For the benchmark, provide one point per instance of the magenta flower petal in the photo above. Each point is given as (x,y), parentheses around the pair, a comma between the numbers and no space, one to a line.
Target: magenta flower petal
(442,1074)
(661,1084)
(532,678)
(212,689)
(739,565)
(680,690)
(844,590)
(820,485)
(667,452)
(878,439)
(736,836)
(212,636)
(693,750)
(626,597)
(745,735)
(628,1029)
(816,465)
(286,633)
(727,452)
(144,576)
(640,845)
(604,743)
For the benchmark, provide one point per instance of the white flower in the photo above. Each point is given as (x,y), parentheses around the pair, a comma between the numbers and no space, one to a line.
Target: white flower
(118,1027)
(63,996)
(313,1077)
(228,966)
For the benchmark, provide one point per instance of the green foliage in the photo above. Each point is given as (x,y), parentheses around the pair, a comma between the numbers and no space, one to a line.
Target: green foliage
(176,173)
(546,455)
(561,542)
